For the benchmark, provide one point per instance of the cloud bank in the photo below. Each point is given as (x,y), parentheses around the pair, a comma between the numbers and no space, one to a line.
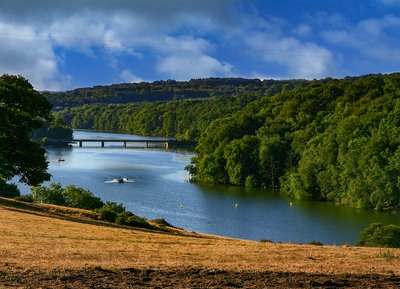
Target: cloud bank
(48,40)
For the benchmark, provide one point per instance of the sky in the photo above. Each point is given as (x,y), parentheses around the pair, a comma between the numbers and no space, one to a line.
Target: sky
(62,45)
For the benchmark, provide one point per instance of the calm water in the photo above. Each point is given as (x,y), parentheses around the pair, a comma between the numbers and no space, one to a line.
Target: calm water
(162,190)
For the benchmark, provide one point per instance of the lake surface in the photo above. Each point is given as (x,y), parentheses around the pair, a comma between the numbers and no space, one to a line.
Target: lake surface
(162,190)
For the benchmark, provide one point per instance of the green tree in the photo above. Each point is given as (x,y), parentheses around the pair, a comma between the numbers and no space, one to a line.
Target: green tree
(49,195)
(22,109)
(272,156)
(80,198)
(379,235)
(242,161)
(8,190)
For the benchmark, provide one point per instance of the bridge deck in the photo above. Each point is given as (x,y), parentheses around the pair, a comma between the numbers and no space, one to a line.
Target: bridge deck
(166,142)
(122,140)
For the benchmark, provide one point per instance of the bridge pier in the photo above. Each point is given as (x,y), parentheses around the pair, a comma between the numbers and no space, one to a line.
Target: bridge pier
(102,144)
(124,144)
(166,145)
(80,144)
(146,145)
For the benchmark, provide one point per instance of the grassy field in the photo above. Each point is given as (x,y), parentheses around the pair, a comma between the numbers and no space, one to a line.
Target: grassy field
(36,240)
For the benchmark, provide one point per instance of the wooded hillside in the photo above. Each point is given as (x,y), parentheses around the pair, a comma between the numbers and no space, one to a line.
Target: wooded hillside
(329,139)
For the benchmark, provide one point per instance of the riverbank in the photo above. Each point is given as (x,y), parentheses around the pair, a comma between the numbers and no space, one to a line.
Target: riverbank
(49,247)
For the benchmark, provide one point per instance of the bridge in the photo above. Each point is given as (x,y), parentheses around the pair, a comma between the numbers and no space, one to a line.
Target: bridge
(166,143)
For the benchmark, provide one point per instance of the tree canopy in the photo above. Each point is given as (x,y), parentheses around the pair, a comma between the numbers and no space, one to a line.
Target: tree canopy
(22,109)
(158,91)
(329,139)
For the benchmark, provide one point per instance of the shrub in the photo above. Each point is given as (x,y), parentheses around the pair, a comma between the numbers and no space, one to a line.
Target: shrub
(266,241)
(135,221)
(387,255)
(26,198)
(315,243)
(49,195)
(80,198)
(123,217)
(113,206)
(8,190)
(71,196)
(106,214)
(379,235)
(162,222)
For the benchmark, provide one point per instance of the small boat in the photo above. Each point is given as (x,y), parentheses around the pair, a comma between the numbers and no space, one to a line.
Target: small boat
(60,159)
(120,180)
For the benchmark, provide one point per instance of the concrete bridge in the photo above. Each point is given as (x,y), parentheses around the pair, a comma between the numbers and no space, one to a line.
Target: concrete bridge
(166,143)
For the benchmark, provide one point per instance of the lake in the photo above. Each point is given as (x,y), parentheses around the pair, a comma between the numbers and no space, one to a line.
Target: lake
(162,190)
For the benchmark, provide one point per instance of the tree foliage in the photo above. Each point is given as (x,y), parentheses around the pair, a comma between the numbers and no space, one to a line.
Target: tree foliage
(329,139)
(71,196)
(379,235)
(54,132)
(164,91)
(22,110)
(335,140)
(193,105)
(9,190)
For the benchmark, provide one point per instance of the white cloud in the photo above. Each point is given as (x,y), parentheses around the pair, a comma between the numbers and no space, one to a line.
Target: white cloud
(300,59)
(127,76)
(375,39)
(302,30)
(120,26)
(183,44)
(184,67)
(180,39)
(29,54)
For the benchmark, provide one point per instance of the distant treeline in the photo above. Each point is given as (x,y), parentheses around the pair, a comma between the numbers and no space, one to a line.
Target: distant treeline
(162,91)
(184,119)
(330,139)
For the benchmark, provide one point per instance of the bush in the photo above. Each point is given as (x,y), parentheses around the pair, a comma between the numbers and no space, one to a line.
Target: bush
(113,206)
(379,235)
(162,222)
(135,221)
(315,243)
(123,217)
(107,215)
(266,241)
(71,196)
(25,198)
(8,190)
(80,198)
(49,195)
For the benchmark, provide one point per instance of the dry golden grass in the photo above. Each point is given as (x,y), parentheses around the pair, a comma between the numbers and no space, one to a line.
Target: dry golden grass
(51,237)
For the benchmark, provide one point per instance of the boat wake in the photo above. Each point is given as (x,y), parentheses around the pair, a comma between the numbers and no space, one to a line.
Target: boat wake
(120,180)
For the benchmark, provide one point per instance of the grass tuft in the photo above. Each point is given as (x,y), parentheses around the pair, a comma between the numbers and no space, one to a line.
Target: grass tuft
(387,255)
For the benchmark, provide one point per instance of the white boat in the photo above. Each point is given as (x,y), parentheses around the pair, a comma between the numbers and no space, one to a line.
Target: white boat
(120,180)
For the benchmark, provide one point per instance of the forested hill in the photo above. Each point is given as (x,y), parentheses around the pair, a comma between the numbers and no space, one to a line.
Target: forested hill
(161,91)
(329,139)
(336,140)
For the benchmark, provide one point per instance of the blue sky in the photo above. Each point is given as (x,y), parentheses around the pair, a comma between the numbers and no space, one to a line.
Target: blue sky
(61,45)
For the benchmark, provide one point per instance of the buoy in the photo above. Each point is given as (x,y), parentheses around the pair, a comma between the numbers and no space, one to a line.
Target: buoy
(181,206)
(290,204)
(236,205)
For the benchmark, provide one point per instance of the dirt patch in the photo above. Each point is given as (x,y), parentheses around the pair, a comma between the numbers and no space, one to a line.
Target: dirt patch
(188,278)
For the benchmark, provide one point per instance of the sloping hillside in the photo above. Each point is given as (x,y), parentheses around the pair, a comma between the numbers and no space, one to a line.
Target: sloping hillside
(53,246)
